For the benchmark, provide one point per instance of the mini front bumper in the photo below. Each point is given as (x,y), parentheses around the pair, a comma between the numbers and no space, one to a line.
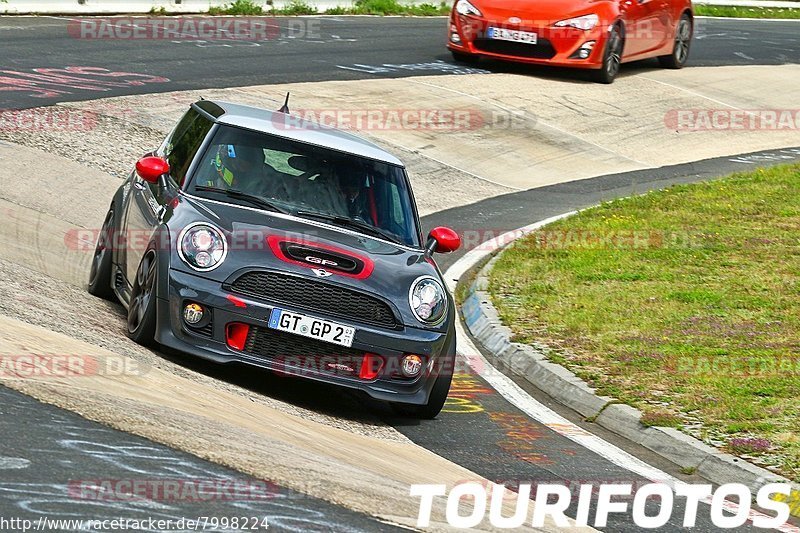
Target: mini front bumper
(211,344)
(555,46)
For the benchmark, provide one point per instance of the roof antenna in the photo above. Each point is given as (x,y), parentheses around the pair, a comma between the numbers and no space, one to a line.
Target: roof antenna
(285,107)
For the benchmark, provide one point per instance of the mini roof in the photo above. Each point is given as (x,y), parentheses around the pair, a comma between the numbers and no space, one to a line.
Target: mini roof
(298,129)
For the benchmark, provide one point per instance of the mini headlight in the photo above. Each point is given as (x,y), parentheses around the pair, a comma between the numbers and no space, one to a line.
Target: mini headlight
(202,246)
(463,7)
(585,22)
(428,300)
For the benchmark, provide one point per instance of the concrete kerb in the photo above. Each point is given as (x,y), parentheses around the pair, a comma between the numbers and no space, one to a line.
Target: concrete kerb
(530,363)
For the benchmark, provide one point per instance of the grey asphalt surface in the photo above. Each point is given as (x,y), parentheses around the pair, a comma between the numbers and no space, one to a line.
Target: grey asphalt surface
(302,49)
(481,440)
(54,466)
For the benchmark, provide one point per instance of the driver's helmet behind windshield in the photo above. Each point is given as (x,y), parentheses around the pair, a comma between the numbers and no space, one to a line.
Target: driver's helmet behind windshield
(238,164)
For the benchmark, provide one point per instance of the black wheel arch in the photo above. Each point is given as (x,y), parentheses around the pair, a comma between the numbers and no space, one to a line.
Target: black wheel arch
(620,24)
(163,245)
(118,206)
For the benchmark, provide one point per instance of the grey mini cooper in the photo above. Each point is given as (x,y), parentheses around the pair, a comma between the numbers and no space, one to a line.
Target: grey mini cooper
(256,237)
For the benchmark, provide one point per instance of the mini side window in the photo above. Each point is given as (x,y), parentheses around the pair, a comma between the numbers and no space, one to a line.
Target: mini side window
(182,144)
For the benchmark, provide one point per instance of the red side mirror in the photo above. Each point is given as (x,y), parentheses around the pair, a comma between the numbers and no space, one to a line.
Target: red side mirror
(446,240)
(151,168)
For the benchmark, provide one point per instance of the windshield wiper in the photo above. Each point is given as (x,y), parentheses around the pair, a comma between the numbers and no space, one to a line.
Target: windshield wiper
(350,223)
(239,195)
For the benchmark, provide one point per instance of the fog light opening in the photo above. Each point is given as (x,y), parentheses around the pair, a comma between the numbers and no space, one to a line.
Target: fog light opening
(411,365)
(193,313)
(371,366)
(584,51)
(455,38)
(236,335)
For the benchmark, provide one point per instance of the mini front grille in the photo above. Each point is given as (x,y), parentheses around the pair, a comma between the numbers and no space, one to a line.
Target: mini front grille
(315,296)
(541,50)
(295,352)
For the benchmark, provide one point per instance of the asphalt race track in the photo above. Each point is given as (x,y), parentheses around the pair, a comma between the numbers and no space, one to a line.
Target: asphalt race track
(340,48)
(485,434)
(72,454)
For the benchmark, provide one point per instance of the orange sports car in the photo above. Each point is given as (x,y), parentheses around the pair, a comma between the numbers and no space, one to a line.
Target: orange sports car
(589,34)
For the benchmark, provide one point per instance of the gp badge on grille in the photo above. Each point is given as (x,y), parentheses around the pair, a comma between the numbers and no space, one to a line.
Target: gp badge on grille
(323,259)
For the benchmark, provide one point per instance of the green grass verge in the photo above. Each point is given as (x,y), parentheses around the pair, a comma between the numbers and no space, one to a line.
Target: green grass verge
(297,7)
(683,302)
(393,7)
(238,7)
(747,12)
(370,7)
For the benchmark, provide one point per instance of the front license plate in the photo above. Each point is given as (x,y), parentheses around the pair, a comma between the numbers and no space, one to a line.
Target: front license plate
(311,327)
(518,36)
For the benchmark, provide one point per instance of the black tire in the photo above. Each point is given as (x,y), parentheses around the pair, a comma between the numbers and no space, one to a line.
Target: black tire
(437,398)
(141,324)
(101,271)
(612,57)
(683,42)
(461,57)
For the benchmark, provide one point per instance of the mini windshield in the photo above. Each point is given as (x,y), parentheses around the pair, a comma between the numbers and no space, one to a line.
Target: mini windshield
(260,170)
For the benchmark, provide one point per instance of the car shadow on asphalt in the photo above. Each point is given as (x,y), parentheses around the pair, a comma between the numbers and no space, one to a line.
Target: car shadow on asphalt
(322,398)
(568,75)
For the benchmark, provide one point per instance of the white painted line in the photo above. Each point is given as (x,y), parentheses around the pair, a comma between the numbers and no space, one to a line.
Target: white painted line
(693,93)
(699,95)
(479,253)
(523,401)
(13,463)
